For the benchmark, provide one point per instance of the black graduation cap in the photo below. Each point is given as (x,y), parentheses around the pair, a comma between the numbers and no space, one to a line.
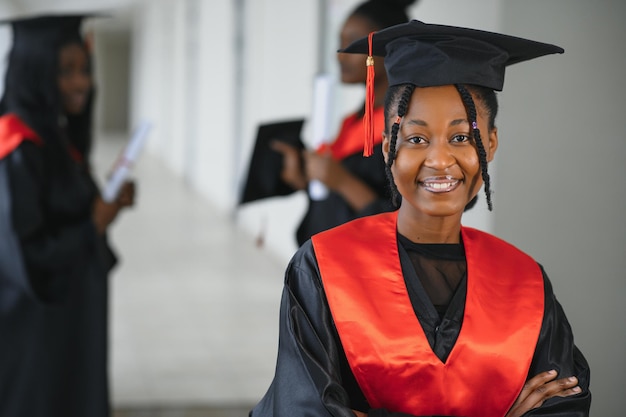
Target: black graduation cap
(429,55)
(263,179)
(48,29)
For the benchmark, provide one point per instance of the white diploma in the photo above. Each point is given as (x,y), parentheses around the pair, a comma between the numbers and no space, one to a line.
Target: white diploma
(125,162)
(321,124)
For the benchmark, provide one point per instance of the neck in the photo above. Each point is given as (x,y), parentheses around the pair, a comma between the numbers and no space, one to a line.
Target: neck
(423,228)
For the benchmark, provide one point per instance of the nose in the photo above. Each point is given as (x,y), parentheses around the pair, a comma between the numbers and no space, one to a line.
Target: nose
(342,57)
(439,155)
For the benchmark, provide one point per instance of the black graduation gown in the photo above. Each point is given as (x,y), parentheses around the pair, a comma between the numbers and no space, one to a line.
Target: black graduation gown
(313,377)
(334,210)
(53,302)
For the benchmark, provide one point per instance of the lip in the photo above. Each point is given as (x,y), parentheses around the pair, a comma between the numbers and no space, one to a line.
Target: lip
(440,184)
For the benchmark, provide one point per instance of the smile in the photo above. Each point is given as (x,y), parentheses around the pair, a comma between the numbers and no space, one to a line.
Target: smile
(440,184)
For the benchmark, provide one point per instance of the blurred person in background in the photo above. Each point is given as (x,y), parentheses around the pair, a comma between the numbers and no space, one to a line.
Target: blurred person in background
(357,185)
(54,254)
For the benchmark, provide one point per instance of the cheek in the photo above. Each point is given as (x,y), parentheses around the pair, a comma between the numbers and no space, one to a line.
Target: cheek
(405,167)
(354,63)
(63,85)
(469,161)
(470,164)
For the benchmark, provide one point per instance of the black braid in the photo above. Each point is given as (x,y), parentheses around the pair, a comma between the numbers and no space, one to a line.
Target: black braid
(468,101)
(403,104)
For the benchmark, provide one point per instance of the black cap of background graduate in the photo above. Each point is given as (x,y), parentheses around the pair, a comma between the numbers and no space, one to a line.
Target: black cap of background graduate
(429,55)
(50,30)
(264,170)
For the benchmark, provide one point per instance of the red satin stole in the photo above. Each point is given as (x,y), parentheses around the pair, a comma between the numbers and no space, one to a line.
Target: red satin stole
(12,132)
(385,344)
(350,139)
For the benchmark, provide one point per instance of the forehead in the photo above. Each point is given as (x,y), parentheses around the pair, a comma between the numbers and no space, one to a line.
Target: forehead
(435,101)
(72,50)
(443,100)
(356,27)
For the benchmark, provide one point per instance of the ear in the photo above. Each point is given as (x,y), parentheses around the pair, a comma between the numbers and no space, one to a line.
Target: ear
(492,146)
(385,146)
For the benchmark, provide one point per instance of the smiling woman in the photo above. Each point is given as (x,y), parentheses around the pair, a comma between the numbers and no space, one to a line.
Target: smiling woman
(436,166)
(409,313)
(74,78)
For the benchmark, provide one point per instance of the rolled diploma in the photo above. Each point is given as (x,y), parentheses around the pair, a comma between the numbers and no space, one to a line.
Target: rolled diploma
(320,124)
(124,163)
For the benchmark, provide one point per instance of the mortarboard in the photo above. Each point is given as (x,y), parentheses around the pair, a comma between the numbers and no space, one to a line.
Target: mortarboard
(429,55)
(263,179)
(46,29)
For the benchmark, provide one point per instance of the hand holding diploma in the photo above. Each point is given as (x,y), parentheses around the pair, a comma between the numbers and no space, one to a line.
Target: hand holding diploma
(125,163)
(119,192)
(104,213)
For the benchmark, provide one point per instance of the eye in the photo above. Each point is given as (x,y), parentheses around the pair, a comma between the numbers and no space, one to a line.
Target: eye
(460,139)
(416,140)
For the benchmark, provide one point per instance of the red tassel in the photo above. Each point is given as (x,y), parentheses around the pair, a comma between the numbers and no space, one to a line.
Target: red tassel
(368,117)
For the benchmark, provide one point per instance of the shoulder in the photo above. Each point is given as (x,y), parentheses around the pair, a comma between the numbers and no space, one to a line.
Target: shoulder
(491,242)
(302,270)
(360,226)
(13,133)
(304,256)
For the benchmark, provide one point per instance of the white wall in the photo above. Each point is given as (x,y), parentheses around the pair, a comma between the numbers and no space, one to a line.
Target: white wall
(561,195)
(157,81)
(6,9)
(111,71)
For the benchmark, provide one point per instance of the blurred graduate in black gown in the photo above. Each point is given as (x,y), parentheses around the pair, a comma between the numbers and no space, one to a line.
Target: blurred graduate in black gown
(357,185)
(54,258)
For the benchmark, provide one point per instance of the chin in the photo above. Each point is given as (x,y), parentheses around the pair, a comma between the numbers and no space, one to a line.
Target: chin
(74,111)
(350,79)
(442,209)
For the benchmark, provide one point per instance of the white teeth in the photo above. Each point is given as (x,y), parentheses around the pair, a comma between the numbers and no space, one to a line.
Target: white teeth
(440,185)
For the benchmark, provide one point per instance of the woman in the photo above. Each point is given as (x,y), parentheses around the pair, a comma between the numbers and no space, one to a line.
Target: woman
(409,313)
(357,185)
(55,260)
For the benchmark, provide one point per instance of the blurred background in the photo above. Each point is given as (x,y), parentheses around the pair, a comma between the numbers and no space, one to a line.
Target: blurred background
(194,303)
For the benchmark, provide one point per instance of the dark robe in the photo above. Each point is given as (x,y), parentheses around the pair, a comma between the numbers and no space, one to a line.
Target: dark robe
(313,377)
(53,288)
(334,210)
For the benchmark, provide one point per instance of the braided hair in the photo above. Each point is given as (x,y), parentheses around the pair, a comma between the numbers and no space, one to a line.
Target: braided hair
(398,96)
(468,101)
(401,95)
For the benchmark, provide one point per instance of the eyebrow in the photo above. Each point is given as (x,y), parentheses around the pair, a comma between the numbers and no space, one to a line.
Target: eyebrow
(419,122)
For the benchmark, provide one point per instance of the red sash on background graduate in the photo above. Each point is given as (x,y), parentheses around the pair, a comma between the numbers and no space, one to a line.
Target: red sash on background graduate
(350,137)
(12,269)
(13,132)
(385,345)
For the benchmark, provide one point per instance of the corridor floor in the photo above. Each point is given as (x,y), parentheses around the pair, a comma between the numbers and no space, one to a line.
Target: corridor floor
(193,303)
